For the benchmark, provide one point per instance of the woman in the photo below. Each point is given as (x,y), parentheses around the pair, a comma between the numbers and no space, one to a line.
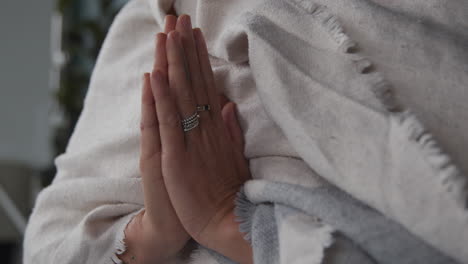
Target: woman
(318,120)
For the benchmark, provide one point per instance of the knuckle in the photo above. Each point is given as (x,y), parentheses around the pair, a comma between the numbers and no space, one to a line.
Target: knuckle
(199,87)
(144,125)
(170,120)
(150,161)
(186,96)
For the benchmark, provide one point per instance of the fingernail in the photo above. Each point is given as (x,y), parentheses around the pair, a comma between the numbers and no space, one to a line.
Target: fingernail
(186,21)
(174,35)
(160,37)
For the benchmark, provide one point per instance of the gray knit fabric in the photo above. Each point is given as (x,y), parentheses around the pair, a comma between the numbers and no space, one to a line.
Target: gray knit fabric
(360,234)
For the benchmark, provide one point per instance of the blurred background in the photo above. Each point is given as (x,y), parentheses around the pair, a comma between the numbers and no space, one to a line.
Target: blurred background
(48,49)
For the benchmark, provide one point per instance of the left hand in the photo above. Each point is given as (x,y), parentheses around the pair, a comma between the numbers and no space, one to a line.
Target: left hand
(204,168)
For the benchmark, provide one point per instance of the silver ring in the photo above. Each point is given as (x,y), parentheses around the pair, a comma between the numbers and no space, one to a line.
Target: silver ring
(201,108)
(191,122)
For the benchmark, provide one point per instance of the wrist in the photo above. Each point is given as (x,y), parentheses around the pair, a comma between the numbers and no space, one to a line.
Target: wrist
(229,241)
(143,244)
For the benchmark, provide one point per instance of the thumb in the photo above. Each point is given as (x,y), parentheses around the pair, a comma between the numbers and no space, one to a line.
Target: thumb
(232,123)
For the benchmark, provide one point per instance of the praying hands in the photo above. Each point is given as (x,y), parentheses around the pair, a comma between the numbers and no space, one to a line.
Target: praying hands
(190,176)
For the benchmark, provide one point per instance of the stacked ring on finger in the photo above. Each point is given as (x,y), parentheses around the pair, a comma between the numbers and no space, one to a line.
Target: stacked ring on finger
(191,122)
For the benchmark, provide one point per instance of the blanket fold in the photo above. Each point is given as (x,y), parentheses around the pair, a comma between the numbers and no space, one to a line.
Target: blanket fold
(303,216)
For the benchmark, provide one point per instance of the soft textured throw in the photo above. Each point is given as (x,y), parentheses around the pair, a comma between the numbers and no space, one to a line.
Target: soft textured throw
(323,90)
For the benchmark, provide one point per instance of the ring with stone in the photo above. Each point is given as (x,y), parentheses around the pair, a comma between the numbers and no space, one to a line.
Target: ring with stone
(201,108)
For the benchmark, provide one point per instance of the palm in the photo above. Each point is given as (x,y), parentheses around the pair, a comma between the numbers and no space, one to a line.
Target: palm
(202,194)
(159,215)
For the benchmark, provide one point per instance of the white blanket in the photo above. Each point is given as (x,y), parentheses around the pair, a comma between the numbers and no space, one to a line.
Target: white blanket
(311,106)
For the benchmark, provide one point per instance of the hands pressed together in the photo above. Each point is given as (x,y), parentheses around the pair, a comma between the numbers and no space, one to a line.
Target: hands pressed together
(190,179)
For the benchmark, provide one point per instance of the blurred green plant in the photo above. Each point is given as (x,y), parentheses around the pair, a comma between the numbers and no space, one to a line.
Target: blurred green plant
(84,28)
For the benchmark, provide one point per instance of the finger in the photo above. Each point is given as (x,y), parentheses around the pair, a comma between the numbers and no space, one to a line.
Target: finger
(225,114)
(238,141)
(170,128)
(179,82)
(237,138)
(150,148)
(150,143)
(235,130)
(184,26)
(222,100)
(160,60)
(170,23)
(207,73)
